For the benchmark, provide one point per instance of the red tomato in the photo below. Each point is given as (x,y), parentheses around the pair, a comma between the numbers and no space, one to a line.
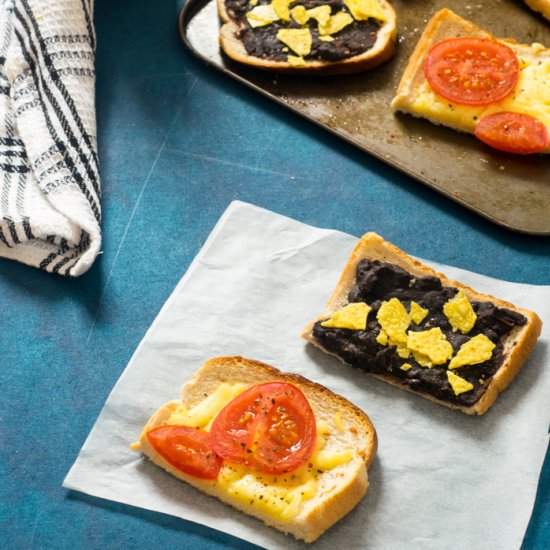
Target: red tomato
(513,132)
(472,71)
(188,449)
(269,427)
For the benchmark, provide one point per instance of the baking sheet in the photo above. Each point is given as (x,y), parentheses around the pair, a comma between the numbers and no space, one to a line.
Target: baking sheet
(511,190)
(441,479)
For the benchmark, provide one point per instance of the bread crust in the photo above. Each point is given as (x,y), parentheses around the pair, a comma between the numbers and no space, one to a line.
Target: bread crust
(347,482)
(443,25)
(517,345)
(382,50)
(542,6)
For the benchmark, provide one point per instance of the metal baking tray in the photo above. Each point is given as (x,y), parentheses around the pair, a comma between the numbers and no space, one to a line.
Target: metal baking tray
(511,190)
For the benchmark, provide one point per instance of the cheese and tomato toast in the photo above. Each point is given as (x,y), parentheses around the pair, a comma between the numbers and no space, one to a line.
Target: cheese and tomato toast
(307,36)
(273,445)
(461,76)
(399,320)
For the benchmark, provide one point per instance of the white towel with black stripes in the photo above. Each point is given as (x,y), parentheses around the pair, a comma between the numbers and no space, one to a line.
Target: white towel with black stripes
(50,209)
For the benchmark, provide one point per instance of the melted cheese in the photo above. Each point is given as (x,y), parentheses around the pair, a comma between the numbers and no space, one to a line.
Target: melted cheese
(366,9)
(298,40)
(477,350)
(353,317)
(460,313)
(202,414)
(530,96)
(458,384)
(277,495)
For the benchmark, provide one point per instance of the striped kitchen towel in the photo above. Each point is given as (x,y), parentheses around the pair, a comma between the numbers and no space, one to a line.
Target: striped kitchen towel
(50,209)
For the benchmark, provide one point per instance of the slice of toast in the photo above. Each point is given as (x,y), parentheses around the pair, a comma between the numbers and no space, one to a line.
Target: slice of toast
(367,277)
(345,432)
(247,45)
(415,96)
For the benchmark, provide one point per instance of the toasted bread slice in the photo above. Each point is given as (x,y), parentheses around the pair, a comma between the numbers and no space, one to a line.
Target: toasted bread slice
(542,6)
(513,349)
(345,428)
(415,96)
(233,43)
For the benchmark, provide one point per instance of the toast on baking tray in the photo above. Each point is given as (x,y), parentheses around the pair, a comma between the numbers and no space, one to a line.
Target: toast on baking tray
(463,77)
(308,37)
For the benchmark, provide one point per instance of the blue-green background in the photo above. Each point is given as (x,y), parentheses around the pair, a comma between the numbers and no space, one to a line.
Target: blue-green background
(177,143)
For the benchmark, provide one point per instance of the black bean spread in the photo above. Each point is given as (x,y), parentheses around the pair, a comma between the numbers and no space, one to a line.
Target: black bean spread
(295,31)
(437,370)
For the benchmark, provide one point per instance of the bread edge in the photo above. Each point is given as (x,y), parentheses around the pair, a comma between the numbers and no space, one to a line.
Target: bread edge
(540,6)
(373,246)
(309,526)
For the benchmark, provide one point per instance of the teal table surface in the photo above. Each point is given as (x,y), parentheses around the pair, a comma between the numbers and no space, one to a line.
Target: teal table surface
(177,143)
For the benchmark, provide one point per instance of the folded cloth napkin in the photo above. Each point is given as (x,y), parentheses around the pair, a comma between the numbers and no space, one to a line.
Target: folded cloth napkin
(49,182)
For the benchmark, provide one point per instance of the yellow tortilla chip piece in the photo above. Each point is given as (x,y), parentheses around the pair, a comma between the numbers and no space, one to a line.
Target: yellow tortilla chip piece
(296,61)
(335,23)
(365,9)
(353,317)
(298,40)
(458,384)
(299,14)
(281,8)
(460,313)
(474,351)
(394,321)
(261,16)
(417,313)
(431,344)
(320,13)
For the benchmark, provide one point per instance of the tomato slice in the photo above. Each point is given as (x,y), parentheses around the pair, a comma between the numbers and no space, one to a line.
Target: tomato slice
(187,449)
(472,71)
(513,133)
(269,427)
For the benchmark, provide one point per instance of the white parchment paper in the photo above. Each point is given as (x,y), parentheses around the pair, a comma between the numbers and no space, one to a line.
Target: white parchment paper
(441,479)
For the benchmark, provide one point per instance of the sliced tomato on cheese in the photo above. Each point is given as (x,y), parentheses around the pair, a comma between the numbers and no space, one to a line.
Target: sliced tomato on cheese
(472,71)
(269,427)
(187,449)
(513,133)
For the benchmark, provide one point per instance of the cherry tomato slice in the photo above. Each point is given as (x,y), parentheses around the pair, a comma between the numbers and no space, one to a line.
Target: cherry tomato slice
(513,133)
(187,449)
(472,71)
(269,427)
